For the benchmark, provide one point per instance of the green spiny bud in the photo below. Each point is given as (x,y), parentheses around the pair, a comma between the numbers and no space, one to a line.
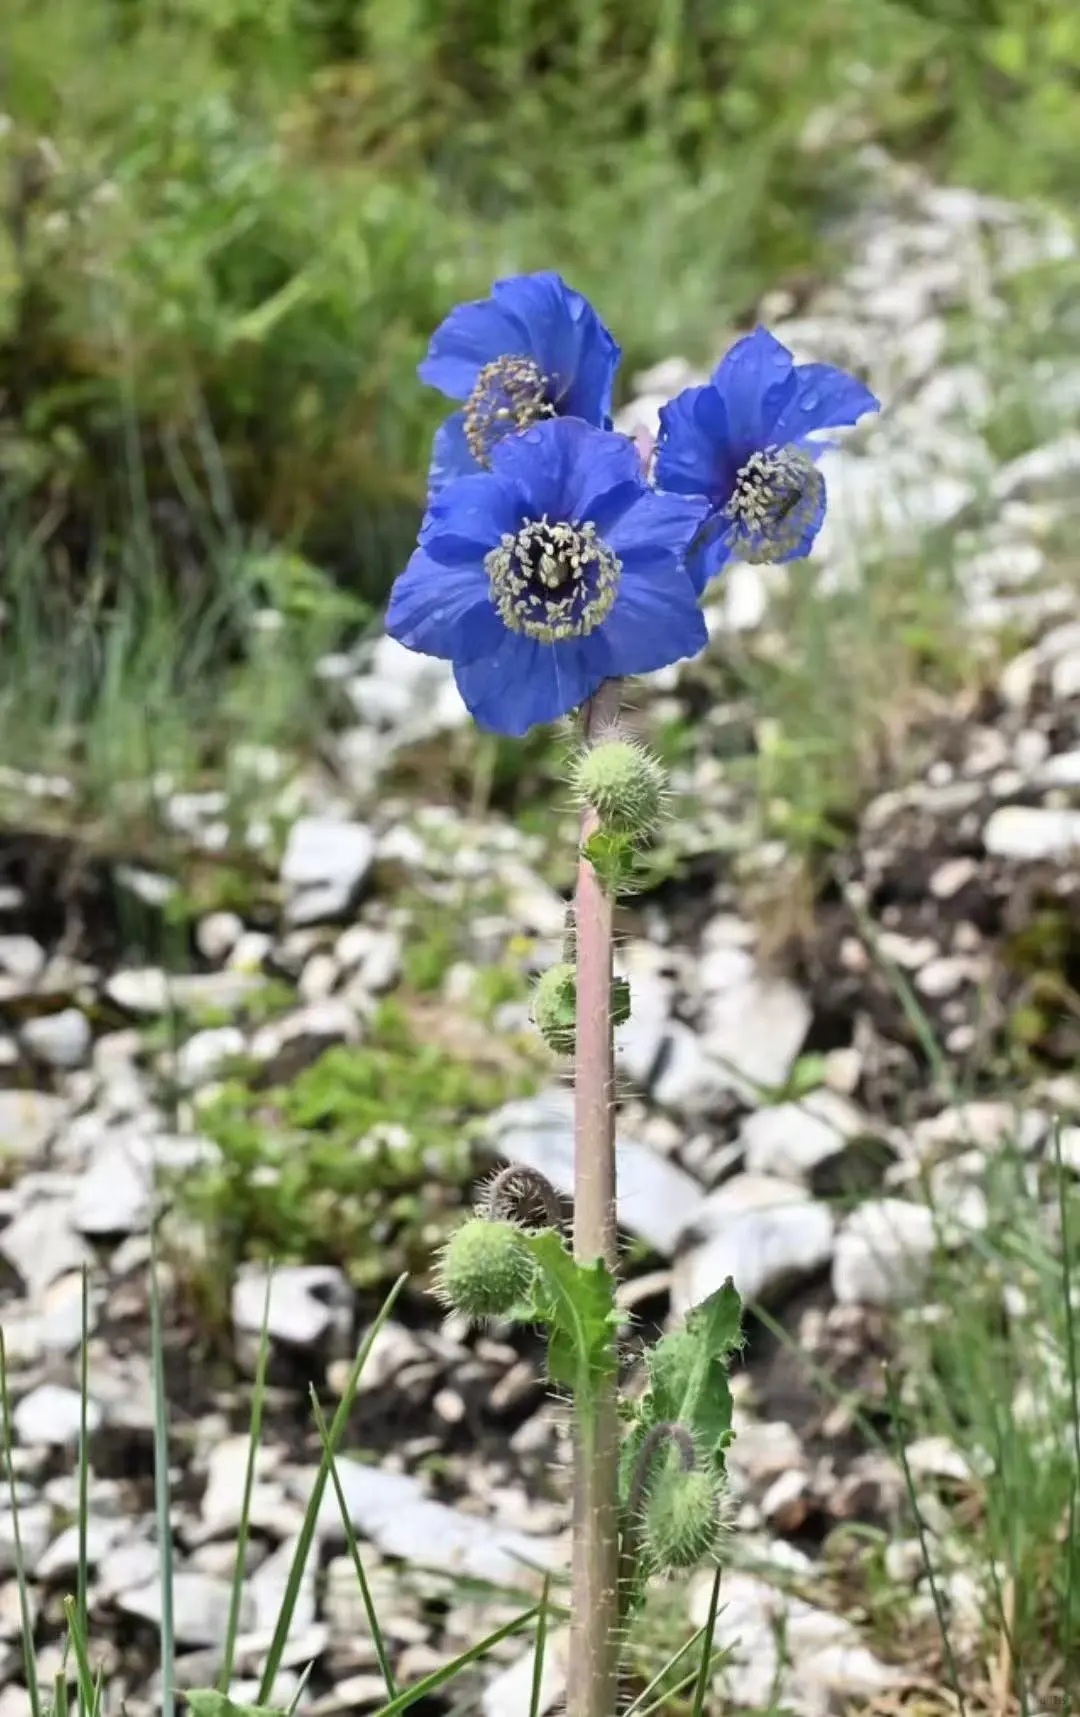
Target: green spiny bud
(485,1269)
(554,1008)
(624,784)
(682,1519)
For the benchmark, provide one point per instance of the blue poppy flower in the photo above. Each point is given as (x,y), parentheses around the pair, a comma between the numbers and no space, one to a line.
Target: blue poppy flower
(558,569)
(743,443)
(534,349)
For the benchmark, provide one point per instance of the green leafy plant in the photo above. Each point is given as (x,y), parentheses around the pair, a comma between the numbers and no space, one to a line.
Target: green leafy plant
(361,1159)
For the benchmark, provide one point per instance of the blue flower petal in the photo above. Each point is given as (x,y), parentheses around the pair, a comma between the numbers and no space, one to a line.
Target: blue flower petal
(657,530)
(443,611)
(566,337)
(655,621)
(470,337)
(524,683)
(450,455)
(565,469)
(692,448)
(750,371)
(710,554)
(824,398)
(467,518)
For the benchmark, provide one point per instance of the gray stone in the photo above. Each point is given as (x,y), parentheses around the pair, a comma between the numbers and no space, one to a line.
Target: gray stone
(1032,832)
(763,1232)
(200,1607)
(792,1139)
(510,1692)
(1065,676)
(51,1416)
(60,1561)
(754,1029)
(392,1511)
(35,1525)
(639,1042)
(41,1244)
(28,1120)
(217,934)
(116,1194)
(688,1081)
(61,1040)
(371,957)
(325,865)
(883,1253)
(307,1303)
(21,957)
(206,1054)
(657,1200)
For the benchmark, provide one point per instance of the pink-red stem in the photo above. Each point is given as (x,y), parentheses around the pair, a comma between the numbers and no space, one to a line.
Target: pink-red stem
(594,1624)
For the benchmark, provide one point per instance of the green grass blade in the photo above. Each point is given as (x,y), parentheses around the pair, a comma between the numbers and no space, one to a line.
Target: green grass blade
(311,1515)
(161,1486)
(26,1625)
(539,1650)
(258,1396)
(84,1675)
(639,1704)
(84,1472)
(701,1687)
(447,1671)
(350,1538)
(893,1399)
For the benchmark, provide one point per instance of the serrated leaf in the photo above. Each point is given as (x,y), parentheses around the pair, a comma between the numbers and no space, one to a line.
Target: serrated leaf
(688,1373)
(613,857)
(208,1702)
(581,1316)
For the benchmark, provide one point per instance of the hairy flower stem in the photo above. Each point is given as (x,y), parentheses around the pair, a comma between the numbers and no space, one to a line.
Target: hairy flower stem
(593,1666)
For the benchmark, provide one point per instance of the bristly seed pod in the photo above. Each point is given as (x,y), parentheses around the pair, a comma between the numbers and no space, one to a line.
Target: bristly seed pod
(485,1269)
(624,784)
(682,1519)
(554,1006)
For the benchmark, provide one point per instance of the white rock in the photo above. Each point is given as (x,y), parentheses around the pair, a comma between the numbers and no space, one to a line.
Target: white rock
(28,1120)
(754,1030)
(1065,676)
(115,1196)
(1016,682)
(217,935)
(371,957)
(689,1081)
(61,1560)
(986,1124)
(883,1252)
(61,1040)
(307,1302)
(1032,832)
(325,865)
(1060,771)
(206,1054)
(657,1200)
(510,1692)
(144,990)
(35,1526)
(763,1232)
(791,1139)
(52,1415)
(21,957)
(393,1512)
(40,1243)
(318,978)
(200,1607)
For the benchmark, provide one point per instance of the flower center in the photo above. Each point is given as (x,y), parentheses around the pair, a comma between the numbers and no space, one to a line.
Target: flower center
(553,581)
(509,394)
(776,501)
